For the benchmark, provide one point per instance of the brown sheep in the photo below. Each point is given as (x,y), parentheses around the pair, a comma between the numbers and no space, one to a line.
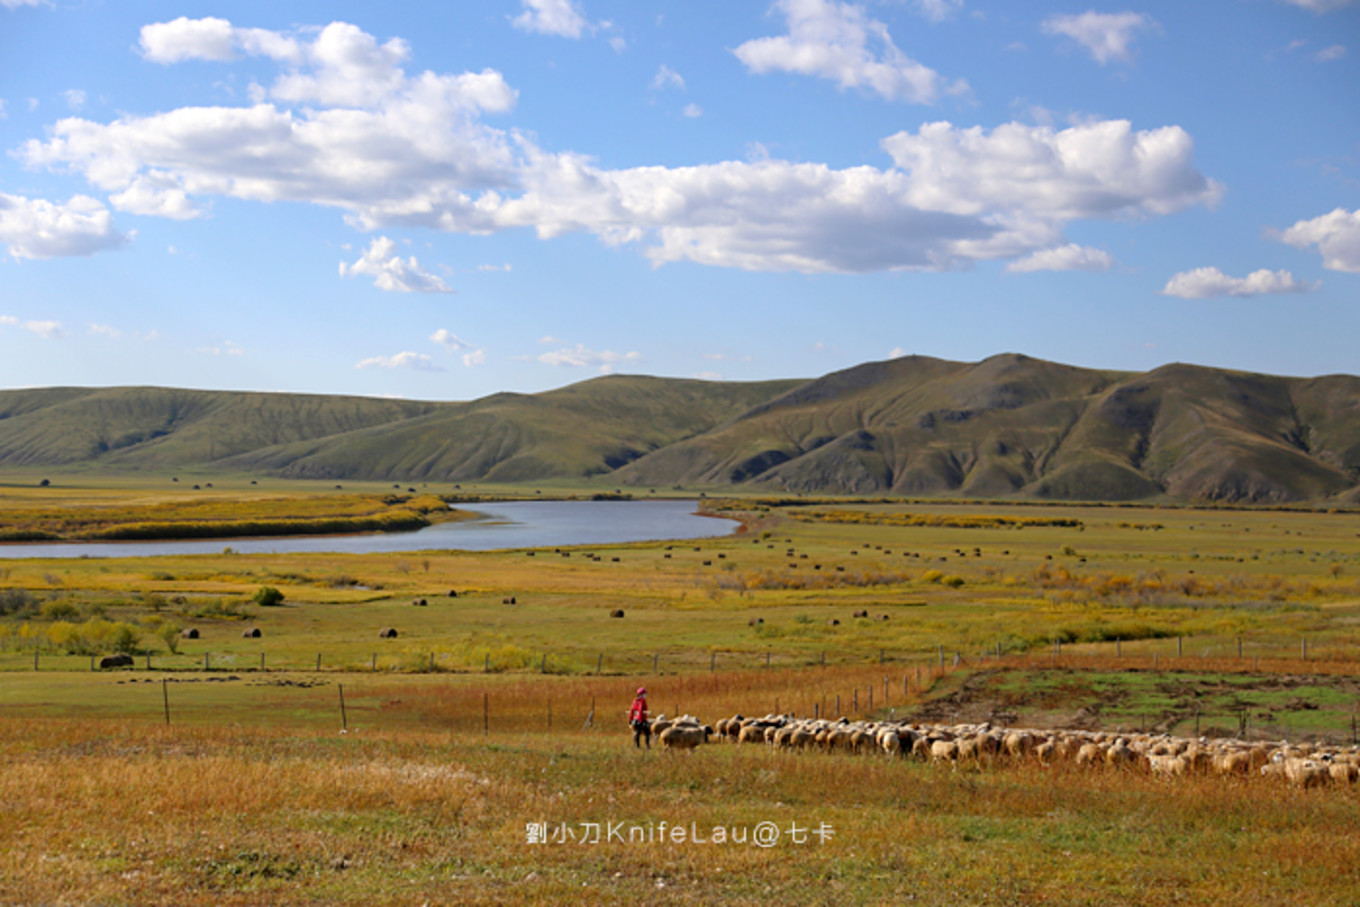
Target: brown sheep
(684,737)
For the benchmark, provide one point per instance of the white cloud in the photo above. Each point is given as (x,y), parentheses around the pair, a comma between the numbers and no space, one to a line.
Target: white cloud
(1320,6)
(938,10)
(391,272)
(580,357)
(49,330)
(667,78)
(552,17)
(413,151)
(213,39)
(227,348)
(444,337)
(474,358)
(37,228)
(4,112)
(501,267)
(618,43)
(1070,257)
(75,98)
(104,330)
(416,361)
(708,376)
(15,4)
(956,195)
(1203,283)
(1337,236)
(1327,54)
(367,138)
(839,41)
(548,339)
(896,353)
(1106,36)
(693,111)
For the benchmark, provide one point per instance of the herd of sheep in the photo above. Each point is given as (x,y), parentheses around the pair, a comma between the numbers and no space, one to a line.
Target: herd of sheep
(1304,765)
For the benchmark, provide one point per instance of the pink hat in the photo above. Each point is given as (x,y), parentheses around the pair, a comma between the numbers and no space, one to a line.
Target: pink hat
(641,691)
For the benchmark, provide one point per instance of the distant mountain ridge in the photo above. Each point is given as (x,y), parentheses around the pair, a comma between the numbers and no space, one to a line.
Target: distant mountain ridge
(1009,426)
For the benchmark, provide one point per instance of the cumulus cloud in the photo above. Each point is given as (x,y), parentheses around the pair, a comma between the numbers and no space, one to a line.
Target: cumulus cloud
(896,353)
(212,39)
(1070,257)
(391,272)
(667,78)
(444,337)
(693,111)
(105,330)
(956,195)
(1336,235)
(474,358)
(75,98)
(1328,54)
(389,149)
(49,330)
(839,41)
(581,357)
(37,228)
(552,17)
(938,10)
(15,4)
(1105,36)
(407,359)
(1203,283)
(367,137)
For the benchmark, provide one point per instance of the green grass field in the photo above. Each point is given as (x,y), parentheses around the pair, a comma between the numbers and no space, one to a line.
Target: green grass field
(251,794)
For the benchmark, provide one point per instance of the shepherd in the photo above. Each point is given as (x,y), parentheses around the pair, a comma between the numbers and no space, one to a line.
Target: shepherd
(637,720)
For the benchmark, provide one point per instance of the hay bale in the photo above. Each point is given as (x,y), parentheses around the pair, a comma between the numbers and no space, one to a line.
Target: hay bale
(617,612)
(115,661)
(387,633)
(189,633)
(252,633)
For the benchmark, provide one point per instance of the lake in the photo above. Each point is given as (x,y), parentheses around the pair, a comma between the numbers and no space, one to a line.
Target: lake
(511,524)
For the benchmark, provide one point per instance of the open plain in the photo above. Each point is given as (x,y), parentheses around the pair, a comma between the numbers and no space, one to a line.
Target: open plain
(477,751)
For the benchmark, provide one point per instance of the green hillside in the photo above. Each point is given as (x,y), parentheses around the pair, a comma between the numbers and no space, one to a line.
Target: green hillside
(1009,426)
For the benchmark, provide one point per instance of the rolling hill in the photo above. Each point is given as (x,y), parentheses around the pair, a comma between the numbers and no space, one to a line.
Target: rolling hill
(1009,426)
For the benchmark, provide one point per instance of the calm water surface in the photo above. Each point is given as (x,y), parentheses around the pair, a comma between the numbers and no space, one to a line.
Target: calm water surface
(513,524)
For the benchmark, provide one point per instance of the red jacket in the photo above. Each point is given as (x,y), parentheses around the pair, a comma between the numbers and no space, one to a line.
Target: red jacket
(639,710)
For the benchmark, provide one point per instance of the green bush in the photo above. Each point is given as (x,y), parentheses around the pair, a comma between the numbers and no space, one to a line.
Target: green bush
(268,597)
(59,610)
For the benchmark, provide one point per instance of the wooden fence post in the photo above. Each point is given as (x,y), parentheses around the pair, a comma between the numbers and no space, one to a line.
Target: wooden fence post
(599,664)
(486,713)
(318,661)
(344,719)
(165,697)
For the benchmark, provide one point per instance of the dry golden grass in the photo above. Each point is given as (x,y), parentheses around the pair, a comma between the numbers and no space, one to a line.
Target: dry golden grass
(105,812)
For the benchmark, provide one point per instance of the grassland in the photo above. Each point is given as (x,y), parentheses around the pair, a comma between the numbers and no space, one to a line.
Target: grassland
(47,514)
(252,795)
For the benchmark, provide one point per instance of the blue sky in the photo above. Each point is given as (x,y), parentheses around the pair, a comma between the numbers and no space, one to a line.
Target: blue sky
(443,201)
